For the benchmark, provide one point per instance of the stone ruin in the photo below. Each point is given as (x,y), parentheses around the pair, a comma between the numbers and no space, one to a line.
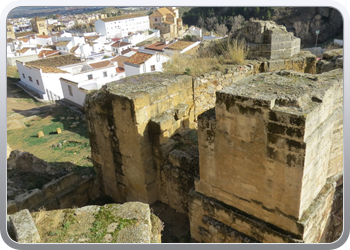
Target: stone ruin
(269,159)
(252,153)
(268,40)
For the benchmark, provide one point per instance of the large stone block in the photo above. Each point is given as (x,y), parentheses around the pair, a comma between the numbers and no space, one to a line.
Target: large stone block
(24,227)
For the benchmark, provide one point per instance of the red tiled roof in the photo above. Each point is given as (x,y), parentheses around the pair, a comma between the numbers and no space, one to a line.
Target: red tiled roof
(120,60)
(162,11)
(138,58)
(102,64)
(43,36)
(157,46)
(24,39)
(48,53)
(180,45)
(23,50)
(120,44)
(120,70)
(62,43)
(126,51)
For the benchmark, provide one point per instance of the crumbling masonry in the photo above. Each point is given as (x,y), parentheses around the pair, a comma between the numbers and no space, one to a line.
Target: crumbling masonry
(268,163)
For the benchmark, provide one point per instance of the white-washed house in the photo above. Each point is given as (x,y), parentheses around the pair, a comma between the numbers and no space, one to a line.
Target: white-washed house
(43,76)
(144,62)
(121,26)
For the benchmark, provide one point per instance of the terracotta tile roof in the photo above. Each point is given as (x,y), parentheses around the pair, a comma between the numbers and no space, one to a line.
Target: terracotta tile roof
(120,44)
(46,69)
(24,40)
(120,60)
(126,51)
(115,18)
(43,36)
(163,11)
(180,45)
(138,58)
(62,43)
(55,61)
(48,53)
(25,33)
(157,46)
(120,70)
(23,50)
(102,64)
(72,50)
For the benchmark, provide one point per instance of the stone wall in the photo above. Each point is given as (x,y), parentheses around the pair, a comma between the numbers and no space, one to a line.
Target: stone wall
(131,120)
(259,149)
(332,59)
(269,40)
(59,188)
(65,192)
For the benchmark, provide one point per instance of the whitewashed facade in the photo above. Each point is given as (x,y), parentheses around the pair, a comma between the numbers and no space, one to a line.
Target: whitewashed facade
(153,64)
(118,27)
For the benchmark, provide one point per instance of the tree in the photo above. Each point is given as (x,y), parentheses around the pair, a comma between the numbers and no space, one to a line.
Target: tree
(268,15)
(238,22)
(221,29)
(200,22)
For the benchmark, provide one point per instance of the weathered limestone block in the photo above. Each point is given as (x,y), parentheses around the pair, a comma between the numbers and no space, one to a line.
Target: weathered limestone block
(331,60)
(30,200)
(122,156)
(24,227)
(269,40)
(131,222)
(268,153)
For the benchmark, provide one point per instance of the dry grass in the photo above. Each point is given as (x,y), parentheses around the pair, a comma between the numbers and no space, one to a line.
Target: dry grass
(190,65)
(219,53)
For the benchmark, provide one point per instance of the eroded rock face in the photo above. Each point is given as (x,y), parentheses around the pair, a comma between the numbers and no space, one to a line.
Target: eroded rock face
(130,222)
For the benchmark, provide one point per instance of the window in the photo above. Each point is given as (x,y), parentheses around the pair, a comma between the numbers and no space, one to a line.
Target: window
(23,75)
(70,90)
(89,77)
(155,19)
(153,67)
(37,82)
(30,78)
(105,74)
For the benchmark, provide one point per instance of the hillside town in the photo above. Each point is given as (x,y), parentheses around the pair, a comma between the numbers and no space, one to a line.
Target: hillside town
(62,63)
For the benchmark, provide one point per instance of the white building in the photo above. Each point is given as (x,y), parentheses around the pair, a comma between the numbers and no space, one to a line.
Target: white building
(120,46)
(43,40)
(43,76)
(195,31)
(144,62)
(121,26)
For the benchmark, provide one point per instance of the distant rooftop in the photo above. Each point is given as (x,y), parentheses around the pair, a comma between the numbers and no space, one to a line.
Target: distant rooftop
(115,18)
(139,58)
(180,45)
(56,61)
